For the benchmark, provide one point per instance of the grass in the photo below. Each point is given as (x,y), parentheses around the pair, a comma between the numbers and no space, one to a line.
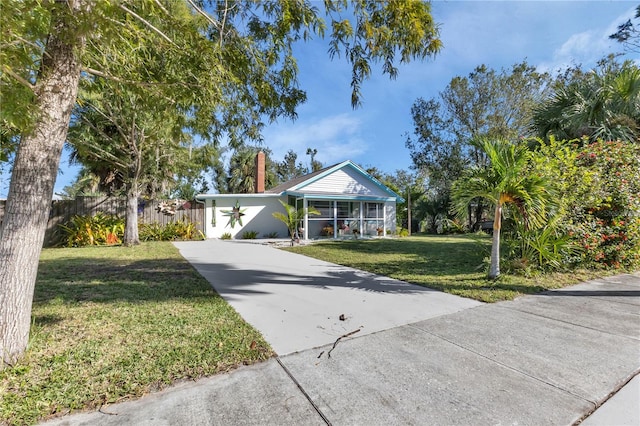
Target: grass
(113,323)
(455,264)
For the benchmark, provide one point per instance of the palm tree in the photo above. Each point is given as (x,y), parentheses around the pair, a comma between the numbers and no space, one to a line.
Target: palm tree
(505,183)
(293,217)
(601,104)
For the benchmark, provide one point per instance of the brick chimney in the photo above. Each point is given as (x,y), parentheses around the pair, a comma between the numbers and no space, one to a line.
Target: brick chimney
(260,171)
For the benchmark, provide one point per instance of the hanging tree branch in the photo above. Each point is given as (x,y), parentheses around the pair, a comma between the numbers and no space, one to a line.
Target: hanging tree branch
(147,23)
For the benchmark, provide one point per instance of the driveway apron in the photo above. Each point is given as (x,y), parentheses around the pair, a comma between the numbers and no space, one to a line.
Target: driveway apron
(299,303)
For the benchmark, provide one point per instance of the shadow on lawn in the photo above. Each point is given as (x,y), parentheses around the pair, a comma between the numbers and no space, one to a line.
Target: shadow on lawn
(104,281)
(497,286)
(423,245)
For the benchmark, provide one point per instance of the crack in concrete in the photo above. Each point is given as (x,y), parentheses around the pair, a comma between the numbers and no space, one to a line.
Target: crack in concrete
(304,392)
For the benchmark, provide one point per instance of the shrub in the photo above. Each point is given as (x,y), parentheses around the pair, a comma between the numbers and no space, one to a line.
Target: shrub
(271,235)
(225,236)
(544,248)
(453,226)
(99,229)
(177,230)
(597,189)
(607,223)
(250,235)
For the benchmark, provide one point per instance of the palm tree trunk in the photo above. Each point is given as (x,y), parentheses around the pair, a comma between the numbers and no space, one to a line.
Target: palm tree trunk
(494,270)
(32,181)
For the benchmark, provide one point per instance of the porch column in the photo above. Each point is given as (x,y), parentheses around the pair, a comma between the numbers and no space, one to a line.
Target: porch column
(335,218)
(305,206)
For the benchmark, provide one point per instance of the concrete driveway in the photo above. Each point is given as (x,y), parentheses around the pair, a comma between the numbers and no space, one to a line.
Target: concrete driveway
(297,302)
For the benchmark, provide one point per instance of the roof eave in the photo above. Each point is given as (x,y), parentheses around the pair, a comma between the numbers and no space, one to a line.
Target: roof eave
(260,195)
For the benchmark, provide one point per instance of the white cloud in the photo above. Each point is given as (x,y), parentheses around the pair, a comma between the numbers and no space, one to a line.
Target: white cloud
(586,47)
(336,138)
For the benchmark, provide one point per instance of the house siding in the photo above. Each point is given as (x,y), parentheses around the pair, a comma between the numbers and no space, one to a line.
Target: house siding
(390,216)
(257,216)
(344,181)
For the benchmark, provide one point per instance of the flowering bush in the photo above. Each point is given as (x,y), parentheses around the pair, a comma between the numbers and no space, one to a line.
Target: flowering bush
(606,221)
(597,206)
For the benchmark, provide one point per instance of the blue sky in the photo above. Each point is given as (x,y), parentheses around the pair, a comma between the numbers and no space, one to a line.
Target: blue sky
(548,34)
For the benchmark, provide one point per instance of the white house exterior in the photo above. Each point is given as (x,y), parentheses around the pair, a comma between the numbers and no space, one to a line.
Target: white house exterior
(349,201)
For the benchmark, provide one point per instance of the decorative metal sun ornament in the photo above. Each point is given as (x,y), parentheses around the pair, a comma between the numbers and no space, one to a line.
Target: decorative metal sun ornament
(235,215)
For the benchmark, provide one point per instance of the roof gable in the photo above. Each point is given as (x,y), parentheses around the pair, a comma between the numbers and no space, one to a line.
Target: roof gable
(345,178)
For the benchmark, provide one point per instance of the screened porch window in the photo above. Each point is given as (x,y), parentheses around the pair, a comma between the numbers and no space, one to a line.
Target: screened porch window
(373,218)
(324,207)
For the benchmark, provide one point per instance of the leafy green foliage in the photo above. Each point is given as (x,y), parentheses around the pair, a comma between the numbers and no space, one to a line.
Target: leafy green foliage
(380,31)
(544,248)
(289,167)
(230,70)
(602,104)
(598,202)
(226,236)
(293,218)
(172,231)
(506,183)
(104,229)
(241,174)
(484,104)
(99,229)
(250,235)
(403,232)
(607,221)
(20,61)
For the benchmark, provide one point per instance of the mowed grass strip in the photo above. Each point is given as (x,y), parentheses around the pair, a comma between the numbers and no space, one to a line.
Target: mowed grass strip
(114,323)
(455,264)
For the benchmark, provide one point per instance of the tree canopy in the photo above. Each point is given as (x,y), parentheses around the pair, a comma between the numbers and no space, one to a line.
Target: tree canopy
(629,33)
(244,74)
(601,104)
(486,103)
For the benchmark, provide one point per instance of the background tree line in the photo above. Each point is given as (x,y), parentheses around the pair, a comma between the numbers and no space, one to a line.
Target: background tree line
(553,161)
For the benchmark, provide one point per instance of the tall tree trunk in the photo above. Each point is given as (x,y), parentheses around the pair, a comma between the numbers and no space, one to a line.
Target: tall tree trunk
(131,236)
(478,216)
(494,270)
(32,181)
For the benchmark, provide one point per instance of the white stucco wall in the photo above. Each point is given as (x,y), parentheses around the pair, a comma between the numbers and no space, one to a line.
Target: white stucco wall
(390,215)
(257,216)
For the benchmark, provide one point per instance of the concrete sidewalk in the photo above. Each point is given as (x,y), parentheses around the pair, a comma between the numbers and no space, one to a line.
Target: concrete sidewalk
(547,359)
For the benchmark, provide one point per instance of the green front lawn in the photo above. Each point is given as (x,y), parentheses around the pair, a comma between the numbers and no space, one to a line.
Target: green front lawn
(455,264)
(112,323)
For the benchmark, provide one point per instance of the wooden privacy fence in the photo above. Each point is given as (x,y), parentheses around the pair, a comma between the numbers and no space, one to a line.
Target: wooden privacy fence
(149,211)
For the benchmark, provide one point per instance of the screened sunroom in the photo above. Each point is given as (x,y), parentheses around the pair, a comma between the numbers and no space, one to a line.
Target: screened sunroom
(340,217)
